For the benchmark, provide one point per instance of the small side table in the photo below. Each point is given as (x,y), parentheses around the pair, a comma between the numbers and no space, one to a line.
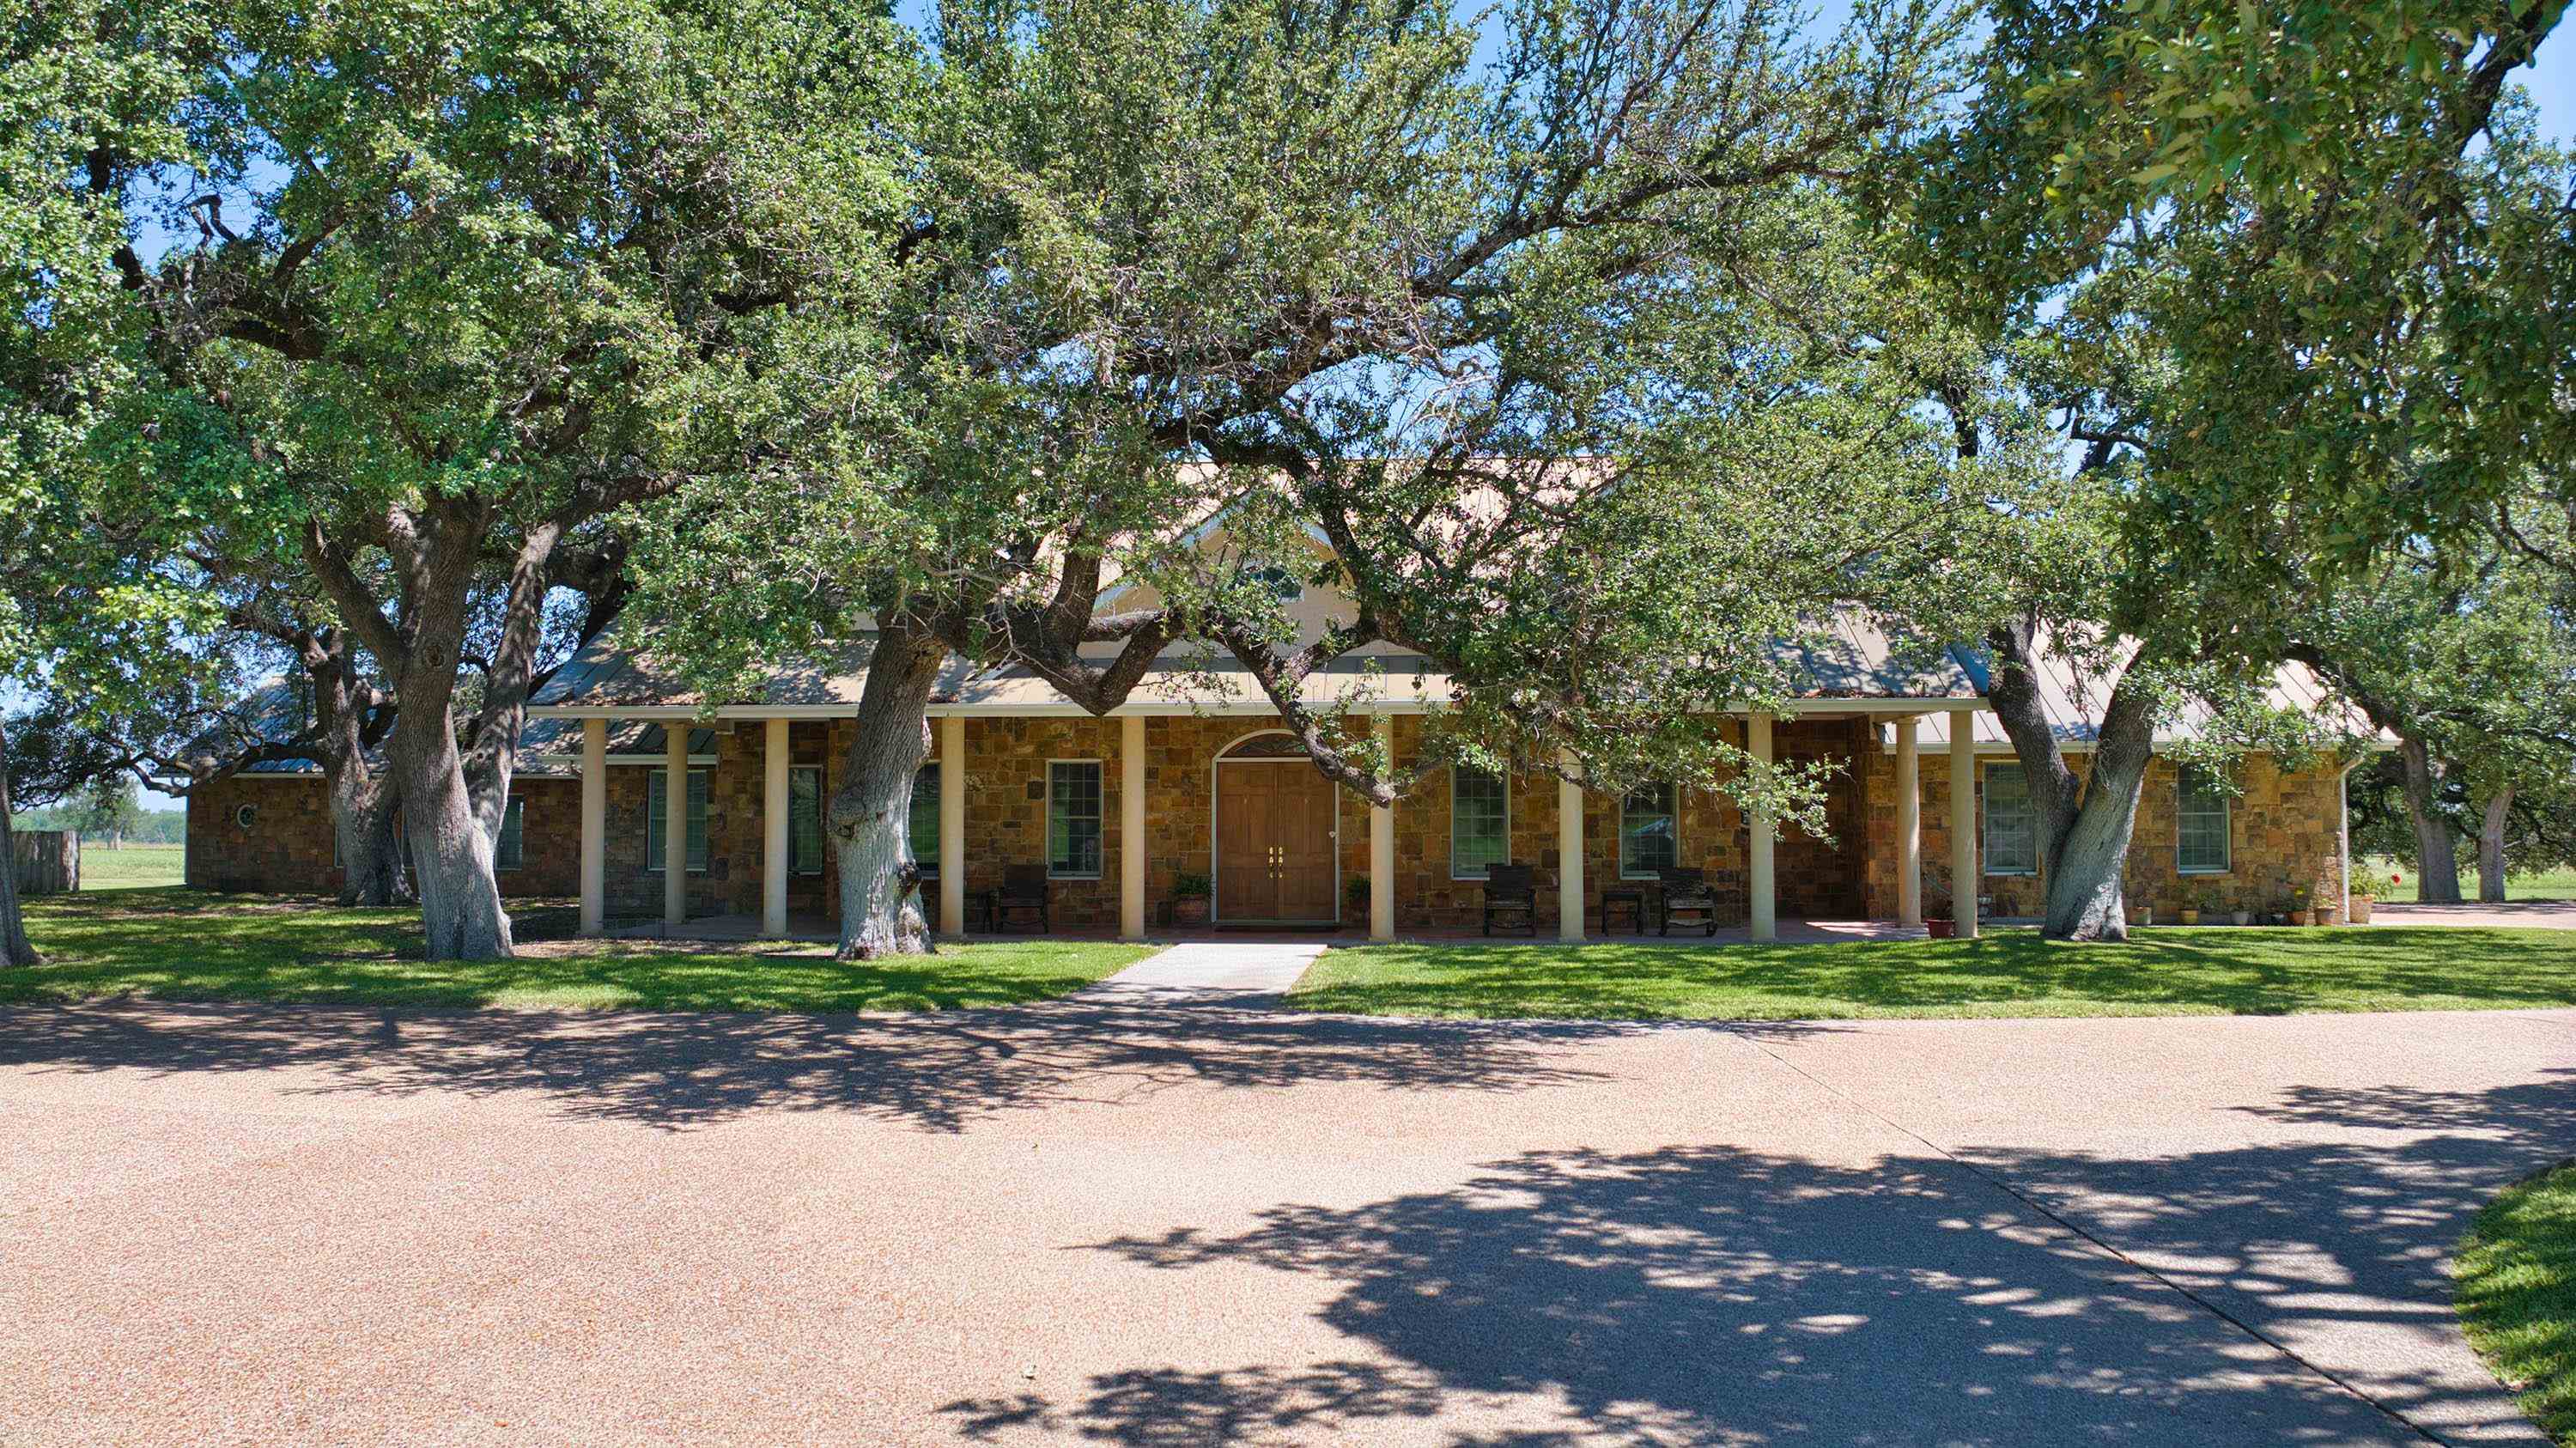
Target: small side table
(1633,901)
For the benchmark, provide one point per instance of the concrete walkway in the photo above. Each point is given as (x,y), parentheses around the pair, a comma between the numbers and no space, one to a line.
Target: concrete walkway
(1101,1220)
(1245,972)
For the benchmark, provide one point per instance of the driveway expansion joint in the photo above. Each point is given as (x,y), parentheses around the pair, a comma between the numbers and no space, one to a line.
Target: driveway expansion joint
(2085,1234)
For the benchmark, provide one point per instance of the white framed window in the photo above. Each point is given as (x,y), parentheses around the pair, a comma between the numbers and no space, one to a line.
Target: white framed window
(1480,822)
(805,820)
(656,785)
(2202,839)
(1647,832)
(2012,825)
(923,826)
(1073,819)
(510,852)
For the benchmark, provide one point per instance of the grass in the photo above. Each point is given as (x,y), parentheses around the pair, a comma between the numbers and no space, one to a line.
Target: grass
(173,944)
(133,868)
(2539,885)
(2517,1293)
(2180,971)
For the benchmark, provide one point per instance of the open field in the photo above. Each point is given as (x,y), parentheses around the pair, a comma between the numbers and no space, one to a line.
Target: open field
(180,945)
(2541,885)
(133,867)
(2230,970)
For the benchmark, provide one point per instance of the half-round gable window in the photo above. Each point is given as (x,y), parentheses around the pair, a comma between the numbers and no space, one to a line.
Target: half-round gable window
(1282,584)
(246,816)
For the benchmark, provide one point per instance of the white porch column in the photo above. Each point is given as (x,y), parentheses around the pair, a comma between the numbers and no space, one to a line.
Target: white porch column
(1569,853)
(1909,825)
(1131,827)
(1382,846)
(1964,879)
(774,810)
(594,825)
(675,821)
(952,824)
(1762,888)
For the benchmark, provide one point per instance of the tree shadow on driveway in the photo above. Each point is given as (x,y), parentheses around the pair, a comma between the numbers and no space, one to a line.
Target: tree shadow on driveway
(935,1070)
(1710,1293)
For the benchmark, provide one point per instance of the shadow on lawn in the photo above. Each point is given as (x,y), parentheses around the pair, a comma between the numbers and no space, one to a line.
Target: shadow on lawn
(186,945)
(2235,970)
(1706,1293)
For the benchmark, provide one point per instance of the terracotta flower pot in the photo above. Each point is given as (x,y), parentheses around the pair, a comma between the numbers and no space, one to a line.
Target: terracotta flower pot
(1192,910)
(2191,917)
(2298,917)
(1940,927)
(2361,909)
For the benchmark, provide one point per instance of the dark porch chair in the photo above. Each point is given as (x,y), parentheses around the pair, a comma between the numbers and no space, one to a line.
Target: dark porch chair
(1024,887)
(1686,892)
(1509,888)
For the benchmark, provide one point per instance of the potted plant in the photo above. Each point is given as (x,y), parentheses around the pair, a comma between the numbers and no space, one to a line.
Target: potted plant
(1357,893)
(1190,895)
(2299,905)
(2241,917)
(2142,915)
(1938,923)
(2362,899)
(2189,914)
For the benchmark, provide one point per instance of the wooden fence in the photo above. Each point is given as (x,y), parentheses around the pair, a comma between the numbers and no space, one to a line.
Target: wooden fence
(47,861)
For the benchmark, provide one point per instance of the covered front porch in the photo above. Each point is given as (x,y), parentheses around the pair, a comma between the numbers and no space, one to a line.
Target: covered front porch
(820,929)
(1161,794)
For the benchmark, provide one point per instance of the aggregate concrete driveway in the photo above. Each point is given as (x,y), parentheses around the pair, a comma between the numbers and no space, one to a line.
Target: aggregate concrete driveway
(1109,1220)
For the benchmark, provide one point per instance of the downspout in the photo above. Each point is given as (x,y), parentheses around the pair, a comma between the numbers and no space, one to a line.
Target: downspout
(2343,834)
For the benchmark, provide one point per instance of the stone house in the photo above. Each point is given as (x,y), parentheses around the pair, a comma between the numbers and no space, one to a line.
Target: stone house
(1194,776)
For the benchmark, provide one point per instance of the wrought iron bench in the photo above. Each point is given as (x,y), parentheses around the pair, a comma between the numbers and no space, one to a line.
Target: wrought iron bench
(1686,892)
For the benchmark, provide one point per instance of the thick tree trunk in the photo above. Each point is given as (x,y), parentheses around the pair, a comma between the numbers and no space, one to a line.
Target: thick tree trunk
(2437,861)
(371,856)
(14,949)
(2085,896)
(870,819)
(2491,846)
(363,800)
(2084,825)
(437,554)
(460,896)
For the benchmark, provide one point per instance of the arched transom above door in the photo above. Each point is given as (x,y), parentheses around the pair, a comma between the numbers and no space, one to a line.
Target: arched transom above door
(1274,744)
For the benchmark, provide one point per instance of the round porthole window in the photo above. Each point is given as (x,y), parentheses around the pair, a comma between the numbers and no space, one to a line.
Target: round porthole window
(246,816)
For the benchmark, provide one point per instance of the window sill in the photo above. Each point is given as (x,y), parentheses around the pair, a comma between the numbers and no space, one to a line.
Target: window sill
(2012,874)
(1052,875)
(2206,874)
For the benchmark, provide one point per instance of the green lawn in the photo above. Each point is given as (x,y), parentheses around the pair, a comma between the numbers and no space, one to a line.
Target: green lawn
(2180,971)
(183,945)
(2517,1276)
(134,867)
(2541,885)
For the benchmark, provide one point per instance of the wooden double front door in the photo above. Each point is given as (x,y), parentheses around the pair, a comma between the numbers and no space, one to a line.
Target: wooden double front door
(1274,842)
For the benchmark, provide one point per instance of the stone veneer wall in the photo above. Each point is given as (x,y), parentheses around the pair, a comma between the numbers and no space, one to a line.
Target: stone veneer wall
(2285,831)
(288,848)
